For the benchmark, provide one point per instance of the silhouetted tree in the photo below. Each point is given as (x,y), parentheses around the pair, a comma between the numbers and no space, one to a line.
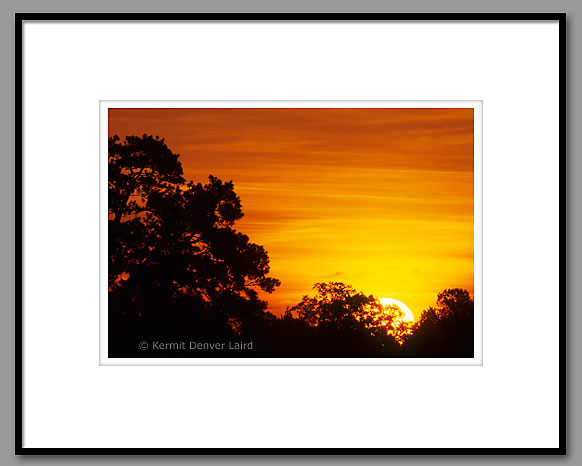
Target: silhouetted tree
(176,263)
(444,331)
(349,323)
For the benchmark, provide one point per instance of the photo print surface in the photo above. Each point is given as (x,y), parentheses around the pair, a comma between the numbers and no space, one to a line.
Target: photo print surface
(291,233)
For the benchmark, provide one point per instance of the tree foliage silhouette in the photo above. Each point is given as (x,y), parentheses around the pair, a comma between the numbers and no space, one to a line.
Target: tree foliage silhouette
(446,330)
(341,314)
(174,255)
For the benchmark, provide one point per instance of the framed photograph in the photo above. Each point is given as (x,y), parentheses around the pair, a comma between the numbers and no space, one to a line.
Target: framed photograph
(339,196)
(236,220)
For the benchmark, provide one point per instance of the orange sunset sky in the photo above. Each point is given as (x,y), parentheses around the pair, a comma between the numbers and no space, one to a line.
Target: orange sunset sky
(381,199)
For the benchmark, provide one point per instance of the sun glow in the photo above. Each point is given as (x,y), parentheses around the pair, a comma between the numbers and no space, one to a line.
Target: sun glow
(408,316)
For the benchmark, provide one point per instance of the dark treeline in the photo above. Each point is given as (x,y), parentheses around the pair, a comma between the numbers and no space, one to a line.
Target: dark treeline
(183,281)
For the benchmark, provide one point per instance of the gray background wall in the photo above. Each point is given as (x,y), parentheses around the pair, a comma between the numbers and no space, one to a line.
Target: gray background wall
(7,9)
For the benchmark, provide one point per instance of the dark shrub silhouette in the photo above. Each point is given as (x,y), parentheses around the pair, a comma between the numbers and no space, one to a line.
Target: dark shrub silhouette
(445,331)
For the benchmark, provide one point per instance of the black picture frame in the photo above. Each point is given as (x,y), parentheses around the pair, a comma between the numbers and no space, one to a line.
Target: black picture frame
(21,17)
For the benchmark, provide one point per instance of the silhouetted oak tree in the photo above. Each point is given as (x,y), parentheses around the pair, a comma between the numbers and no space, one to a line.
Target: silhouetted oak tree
(175,259)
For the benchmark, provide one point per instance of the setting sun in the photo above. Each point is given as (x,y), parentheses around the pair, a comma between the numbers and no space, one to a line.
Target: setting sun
(408,315)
